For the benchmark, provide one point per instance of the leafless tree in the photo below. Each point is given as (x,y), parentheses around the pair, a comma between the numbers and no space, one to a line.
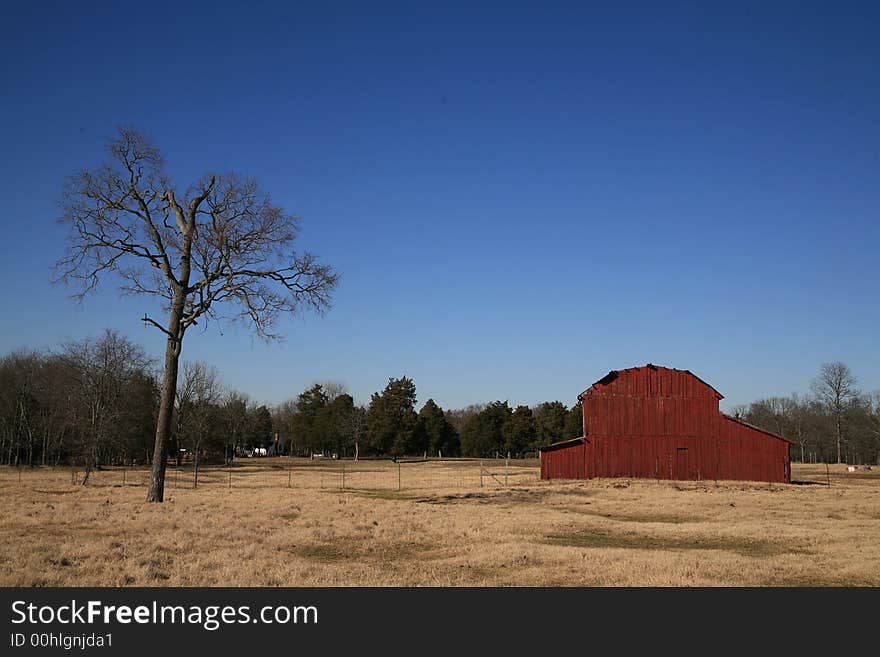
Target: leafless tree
(333,389)
(221,243)
(99,374)
(357,428)
(198,398)
(835,387)
(282,423)
(873,408)
(19,382)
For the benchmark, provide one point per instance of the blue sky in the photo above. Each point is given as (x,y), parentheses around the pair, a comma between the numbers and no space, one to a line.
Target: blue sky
(518,198)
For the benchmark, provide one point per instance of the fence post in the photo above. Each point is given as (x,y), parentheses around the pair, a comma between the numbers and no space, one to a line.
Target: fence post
(343,475)
(481,473)
(506,463)
(288,475)
(229,469)
(398,475)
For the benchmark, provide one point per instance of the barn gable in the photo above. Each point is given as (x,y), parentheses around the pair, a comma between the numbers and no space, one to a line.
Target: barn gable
(657,380)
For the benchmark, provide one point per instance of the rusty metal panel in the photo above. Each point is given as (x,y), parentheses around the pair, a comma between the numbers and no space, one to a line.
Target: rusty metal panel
(664,423)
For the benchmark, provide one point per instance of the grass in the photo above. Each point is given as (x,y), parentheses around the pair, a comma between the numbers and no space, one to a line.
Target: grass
(442,529)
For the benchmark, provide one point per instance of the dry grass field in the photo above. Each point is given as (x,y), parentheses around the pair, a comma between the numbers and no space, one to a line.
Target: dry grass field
(281,522)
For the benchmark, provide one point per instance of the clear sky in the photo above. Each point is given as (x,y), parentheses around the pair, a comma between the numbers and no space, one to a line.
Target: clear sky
(518,197)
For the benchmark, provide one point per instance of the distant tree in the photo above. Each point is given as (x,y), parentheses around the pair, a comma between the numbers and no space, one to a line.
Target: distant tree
(482,434)
(333,389)
(282,423)
(873,409)
(307,428)
(550,418)
(333,425)
(134,430)
(519,431)
(358,429)
(223,244)
(391,417)
(740,411)
(234,413)
(574,422)
(434,433)
(19,404)
(199,411)
(100,374)
(835,387)
(259,427)
(458,417)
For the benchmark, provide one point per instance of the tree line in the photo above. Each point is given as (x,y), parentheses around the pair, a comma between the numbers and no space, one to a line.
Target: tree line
(96,402)
(324,419)
(835,423)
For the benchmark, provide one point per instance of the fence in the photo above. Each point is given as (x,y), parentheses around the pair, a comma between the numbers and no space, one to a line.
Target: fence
(327,474)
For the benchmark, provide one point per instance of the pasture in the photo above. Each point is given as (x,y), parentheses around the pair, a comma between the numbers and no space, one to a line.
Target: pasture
(292,522)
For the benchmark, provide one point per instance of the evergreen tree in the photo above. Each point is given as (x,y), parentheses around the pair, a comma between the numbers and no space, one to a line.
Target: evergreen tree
(334,424)
(259,429)
(308,430)
(482,434)
(520,431)
(550,419)
(391,418)
(574,422)
(434,434)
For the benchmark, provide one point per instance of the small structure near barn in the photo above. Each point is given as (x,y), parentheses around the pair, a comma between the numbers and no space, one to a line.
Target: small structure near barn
(662,423)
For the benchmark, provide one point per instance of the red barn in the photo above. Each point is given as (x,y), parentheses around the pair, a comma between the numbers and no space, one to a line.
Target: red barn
(664,423)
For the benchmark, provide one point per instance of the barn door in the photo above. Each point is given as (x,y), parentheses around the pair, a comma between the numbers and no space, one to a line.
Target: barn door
(682,471)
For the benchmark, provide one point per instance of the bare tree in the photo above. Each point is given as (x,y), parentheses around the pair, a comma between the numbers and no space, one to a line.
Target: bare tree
(873,410)
(282,422)
(99,375)
(357,428)
(198,407)
(19,381)
(221,243)
(836,389)
(333,389)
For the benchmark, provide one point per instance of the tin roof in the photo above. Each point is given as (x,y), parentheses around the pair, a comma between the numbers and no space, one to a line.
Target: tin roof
(613,374)
(561,444)
(752,426)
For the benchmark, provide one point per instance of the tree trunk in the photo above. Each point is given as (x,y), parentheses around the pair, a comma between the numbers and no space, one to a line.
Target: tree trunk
(166,401)
(838,438)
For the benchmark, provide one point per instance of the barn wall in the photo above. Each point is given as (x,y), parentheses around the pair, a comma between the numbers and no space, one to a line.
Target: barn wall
(564,463)
(665,424)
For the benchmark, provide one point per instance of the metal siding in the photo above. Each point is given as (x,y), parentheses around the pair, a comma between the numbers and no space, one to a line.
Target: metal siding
(636,423)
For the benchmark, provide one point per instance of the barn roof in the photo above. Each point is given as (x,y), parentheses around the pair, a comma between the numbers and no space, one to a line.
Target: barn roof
(759,429)
(561,444)
(613,374)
